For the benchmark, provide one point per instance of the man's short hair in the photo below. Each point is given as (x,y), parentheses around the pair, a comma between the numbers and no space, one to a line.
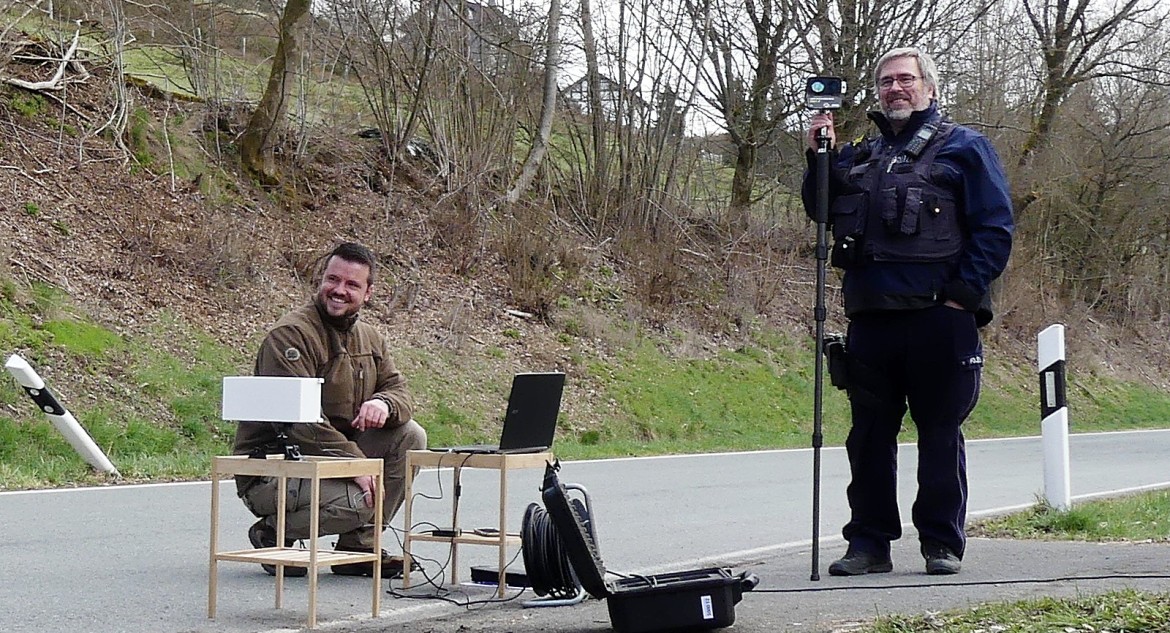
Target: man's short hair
(926,66)
(356,253)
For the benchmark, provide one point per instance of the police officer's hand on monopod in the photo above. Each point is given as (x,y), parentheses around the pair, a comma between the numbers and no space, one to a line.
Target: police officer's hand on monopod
(818,121)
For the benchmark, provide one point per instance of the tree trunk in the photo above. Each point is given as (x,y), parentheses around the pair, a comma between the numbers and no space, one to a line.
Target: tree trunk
(742,184)
(257,143)
(547,108)
(598,186)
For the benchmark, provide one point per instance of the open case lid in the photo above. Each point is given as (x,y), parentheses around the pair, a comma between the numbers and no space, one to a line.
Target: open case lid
(576,537)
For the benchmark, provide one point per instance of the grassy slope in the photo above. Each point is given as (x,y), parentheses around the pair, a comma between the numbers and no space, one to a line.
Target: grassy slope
(644,400)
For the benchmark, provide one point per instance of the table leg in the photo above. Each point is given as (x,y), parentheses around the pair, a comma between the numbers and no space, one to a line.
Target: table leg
(212,568)
(314,529)
(407,560)
(379,493)
(456,493)
(503,531)
(281,508)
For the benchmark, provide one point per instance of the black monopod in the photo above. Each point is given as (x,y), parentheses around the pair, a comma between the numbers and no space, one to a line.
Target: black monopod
(821,93)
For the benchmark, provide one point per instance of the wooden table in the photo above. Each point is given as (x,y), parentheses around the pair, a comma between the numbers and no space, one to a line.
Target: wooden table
(314,469)
(503,462)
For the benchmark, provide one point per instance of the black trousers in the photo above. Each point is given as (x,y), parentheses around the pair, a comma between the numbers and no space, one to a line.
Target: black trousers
(929,362)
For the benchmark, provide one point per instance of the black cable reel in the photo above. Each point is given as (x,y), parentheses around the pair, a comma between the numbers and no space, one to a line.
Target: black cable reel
(546,553)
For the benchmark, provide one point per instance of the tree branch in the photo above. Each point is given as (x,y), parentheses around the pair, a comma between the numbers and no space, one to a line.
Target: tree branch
(58,81)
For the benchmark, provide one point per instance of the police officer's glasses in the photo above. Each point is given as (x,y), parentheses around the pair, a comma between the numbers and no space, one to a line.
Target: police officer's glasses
(905,81)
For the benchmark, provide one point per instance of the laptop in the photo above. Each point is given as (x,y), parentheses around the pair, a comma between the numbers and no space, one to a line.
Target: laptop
(531,419)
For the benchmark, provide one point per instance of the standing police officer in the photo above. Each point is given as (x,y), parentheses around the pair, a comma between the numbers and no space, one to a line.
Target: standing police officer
(922,223)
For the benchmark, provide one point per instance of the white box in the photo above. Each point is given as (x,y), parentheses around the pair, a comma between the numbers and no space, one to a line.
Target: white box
(271,399)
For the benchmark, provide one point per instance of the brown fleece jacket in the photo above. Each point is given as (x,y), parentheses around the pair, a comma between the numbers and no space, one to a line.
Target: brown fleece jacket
(354,360)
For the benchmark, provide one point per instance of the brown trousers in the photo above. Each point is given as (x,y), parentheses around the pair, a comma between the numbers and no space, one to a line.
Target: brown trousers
(343,511)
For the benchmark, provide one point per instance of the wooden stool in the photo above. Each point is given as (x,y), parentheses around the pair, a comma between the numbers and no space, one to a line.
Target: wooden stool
(502,462)
(313,468)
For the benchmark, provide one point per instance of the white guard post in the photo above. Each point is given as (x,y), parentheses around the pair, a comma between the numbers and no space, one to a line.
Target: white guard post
(62,419)
(1054,417)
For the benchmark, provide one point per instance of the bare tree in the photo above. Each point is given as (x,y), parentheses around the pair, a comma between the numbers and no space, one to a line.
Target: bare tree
(548,107)
(390,49)
(600,162)
(120,113)
(259,138)
(744,47)
(1078,43)
(1100,228)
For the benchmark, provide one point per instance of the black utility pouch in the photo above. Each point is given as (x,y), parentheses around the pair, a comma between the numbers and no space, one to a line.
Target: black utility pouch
(846,252)
(838,361)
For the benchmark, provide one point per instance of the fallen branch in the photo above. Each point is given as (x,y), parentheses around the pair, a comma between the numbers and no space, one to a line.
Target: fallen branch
(142,82)
(694,253)
(81,115)
(57,82)
(28,271)
(38,183)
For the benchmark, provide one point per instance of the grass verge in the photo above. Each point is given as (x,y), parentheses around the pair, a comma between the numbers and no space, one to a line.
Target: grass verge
(1138,517)
(1126,610)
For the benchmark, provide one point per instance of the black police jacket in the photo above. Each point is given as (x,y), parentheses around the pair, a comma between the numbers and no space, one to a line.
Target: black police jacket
(917,222)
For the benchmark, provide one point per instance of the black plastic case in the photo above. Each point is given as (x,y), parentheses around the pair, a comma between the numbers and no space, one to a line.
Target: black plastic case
(681,601)
(692,600)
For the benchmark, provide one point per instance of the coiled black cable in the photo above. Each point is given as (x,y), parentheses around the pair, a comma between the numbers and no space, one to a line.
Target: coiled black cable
(545,558)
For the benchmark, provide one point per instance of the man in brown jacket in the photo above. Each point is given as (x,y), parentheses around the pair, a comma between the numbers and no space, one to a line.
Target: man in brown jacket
(367,413)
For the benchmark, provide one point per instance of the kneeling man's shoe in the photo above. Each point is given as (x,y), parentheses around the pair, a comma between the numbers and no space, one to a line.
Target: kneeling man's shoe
(263,536)
(391,565)
(858,562)
(940,560)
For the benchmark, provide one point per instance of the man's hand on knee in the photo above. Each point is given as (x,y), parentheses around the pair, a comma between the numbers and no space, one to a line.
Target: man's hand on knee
(372,415)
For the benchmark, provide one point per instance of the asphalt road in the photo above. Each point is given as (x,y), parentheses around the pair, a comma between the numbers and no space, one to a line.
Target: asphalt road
(134,558)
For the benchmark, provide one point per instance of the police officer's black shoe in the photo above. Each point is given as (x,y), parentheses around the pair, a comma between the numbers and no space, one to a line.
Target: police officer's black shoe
(856,562)
(940,560)
(261,536)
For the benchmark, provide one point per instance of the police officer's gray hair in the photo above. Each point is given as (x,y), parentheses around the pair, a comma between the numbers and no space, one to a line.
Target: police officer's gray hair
(926,66)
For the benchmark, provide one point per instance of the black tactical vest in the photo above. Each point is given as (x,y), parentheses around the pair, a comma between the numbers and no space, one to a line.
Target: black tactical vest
(892,208)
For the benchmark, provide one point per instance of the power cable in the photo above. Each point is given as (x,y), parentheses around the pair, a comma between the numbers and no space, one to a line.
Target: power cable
(438,580)
(972,583)
(442,592)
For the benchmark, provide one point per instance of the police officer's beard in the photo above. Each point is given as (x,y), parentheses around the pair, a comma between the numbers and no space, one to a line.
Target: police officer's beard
(897,114)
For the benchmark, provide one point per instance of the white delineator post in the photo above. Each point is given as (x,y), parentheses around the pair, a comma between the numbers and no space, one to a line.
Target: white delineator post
(62,419)
(1054,417)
